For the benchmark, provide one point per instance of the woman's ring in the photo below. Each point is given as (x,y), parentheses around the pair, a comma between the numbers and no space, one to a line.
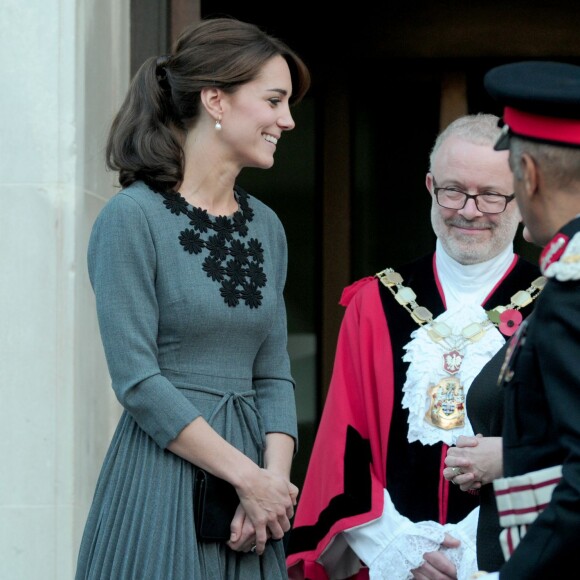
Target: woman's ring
(456,471)
(253,548)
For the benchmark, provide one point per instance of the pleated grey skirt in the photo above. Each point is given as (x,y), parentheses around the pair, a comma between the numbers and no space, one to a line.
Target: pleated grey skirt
(140,525)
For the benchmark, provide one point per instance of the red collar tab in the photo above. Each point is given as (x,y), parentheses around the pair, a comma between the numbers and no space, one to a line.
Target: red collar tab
(553,251)
(540,127)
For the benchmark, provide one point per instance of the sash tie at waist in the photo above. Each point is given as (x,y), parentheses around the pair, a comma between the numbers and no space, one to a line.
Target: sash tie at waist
(237,419)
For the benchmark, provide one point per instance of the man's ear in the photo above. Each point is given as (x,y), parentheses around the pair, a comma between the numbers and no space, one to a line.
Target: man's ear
(531,174)
(211,100)
(429,181)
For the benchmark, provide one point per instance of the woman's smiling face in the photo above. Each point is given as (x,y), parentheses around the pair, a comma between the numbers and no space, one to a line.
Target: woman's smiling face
(256,114)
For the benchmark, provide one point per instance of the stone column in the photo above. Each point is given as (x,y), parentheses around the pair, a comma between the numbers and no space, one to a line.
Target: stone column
(64,70)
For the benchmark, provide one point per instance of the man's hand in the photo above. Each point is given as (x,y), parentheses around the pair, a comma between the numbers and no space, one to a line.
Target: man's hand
(437,566)
(474,461)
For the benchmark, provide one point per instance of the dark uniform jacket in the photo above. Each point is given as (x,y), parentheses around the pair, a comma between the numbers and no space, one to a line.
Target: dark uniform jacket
(541,382)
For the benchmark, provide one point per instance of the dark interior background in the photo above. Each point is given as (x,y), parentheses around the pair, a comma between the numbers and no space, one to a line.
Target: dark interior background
(348,182)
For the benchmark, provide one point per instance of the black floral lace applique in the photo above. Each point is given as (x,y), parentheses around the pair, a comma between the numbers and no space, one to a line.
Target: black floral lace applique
(235,264)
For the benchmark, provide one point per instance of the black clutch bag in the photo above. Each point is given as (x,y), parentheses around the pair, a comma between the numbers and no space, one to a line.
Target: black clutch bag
(214,503)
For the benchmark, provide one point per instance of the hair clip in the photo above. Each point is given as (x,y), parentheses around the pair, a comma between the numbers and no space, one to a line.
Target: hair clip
(161,72)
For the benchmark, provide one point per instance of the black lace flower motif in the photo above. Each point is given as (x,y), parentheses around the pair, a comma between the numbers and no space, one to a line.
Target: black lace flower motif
(256,274)
(199,219)
(230,293)
(175,203)
(246,210)
(255,250)
(239,252)
(223,226)
(214,269)
(216,245)
(191,241)
(235,272)
(240,224)
(251,296)
(235,265)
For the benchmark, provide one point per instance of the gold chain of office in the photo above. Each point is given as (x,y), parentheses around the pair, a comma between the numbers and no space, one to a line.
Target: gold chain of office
(447,398)
(441,332)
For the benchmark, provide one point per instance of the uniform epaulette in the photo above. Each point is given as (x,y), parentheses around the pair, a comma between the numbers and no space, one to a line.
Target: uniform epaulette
(560,259)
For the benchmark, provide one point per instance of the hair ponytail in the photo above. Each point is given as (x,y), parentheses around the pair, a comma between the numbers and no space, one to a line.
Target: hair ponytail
(142,143)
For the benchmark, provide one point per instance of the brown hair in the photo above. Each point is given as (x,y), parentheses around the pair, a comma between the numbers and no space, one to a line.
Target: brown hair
(164,97)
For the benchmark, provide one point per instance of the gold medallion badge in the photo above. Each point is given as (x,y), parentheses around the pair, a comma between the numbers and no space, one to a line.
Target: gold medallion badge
(447,404)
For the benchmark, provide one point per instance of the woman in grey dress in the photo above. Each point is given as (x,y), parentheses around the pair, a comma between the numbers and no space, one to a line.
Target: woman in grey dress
(188,272)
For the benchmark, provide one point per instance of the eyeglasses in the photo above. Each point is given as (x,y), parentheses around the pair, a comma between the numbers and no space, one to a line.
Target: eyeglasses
(454,198)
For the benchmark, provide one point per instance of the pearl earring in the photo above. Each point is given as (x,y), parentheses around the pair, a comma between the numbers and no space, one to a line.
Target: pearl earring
(218,124)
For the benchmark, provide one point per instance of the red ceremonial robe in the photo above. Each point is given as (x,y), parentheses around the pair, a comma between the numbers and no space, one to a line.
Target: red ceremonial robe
(356,420)
(363,398)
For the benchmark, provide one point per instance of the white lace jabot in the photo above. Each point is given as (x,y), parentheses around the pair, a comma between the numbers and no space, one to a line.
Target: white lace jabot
(426,369)
(465,288)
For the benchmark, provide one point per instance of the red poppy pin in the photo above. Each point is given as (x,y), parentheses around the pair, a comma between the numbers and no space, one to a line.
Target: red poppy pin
(509,321)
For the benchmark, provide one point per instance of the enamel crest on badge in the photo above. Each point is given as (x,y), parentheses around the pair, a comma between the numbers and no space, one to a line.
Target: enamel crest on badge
(447,404)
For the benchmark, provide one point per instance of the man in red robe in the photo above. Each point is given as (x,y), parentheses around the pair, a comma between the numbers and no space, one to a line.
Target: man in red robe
(374,501)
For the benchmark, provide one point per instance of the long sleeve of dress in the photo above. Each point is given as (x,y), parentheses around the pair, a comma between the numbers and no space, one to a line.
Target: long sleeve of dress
(122,266)
(272,378)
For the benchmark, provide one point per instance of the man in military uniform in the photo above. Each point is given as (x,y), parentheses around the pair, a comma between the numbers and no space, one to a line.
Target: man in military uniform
(539,496)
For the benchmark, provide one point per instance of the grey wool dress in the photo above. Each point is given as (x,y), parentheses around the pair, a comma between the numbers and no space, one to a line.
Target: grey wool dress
(193,323)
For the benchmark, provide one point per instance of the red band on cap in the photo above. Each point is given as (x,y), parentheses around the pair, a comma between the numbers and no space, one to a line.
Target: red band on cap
(540,127)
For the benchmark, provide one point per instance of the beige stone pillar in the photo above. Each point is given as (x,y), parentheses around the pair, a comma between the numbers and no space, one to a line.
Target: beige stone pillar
(64,68)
